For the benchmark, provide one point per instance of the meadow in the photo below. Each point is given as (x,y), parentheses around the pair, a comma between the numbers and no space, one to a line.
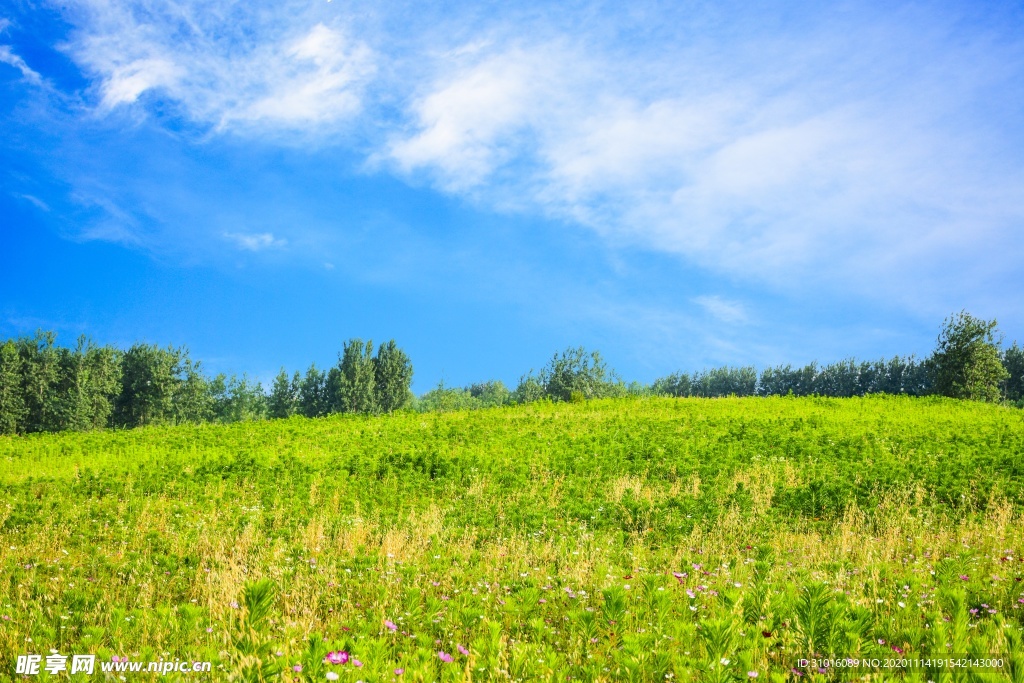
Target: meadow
(632,539)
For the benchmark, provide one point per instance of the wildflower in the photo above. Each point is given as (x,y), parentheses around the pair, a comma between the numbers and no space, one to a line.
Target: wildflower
(337,657)
(464,651)
(209,629)
(297,668)
(234,605)
(725,662)
(751,674)
(390,625)
(964,577)
(881,641)
(897,650)
(331,676)
(679,576)
(974,610)
(444,656)
(399,672)
(356,663)
(542,601)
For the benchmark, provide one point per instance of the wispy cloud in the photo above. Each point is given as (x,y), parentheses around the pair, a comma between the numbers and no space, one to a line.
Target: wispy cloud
(255,241)
(34,201)
(830,145)
(7,56)
(722,309)
(226,66)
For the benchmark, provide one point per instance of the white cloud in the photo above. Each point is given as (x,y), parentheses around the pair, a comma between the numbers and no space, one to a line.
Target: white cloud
(763,170)
(470,124)
(8,57)
(35,201)
(256,241)
(721,309)
(225,66)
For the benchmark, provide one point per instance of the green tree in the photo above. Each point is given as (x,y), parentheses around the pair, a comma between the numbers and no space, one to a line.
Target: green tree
(354,383)
(577,371)
(490,394)
(284,396)
(392,376)
(12,401)
(40,369)
(150,380)
(966,362)
(313,393)
(193,400)
(238,399)
(1013,361)
(88,382)
(529,389)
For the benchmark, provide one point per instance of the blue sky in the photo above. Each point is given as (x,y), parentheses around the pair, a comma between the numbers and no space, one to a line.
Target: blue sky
(678,184)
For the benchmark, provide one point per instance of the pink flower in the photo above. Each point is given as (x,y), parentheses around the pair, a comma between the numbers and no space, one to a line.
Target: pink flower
(464,651)
(297,668)
(751,674)
(356,663)
(399,672)
(444,656)
(337,657)
(679,576)
(964,577)
(391,625)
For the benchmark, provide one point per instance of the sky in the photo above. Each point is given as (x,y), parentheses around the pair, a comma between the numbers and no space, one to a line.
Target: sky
(679,185)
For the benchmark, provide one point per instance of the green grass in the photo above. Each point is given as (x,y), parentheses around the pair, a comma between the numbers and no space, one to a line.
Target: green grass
(542,539)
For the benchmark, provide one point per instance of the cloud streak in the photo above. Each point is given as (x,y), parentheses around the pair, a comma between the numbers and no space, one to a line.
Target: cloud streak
(255,241)
(225,66)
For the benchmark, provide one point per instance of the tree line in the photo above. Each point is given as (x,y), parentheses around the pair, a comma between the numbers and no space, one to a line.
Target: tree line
(968,362)
(45,387)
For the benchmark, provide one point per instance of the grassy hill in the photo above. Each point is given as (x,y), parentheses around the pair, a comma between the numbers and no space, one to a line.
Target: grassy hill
(627,539)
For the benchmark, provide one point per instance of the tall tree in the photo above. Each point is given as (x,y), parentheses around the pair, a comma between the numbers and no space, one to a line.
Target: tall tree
(150,379)
(12,401)
(40,368)
(966,362)
(392,373)
(356,380)
(88,382)
(1013,361)
(577,373)
(313,393)
(193,400)
(284,399)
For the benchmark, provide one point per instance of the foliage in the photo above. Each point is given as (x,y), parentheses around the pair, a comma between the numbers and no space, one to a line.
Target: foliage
(1013,361)
(313,397)
(150,377)
(353,387)
(13,410)
(578,371)
(284,395)
(619,539)
(966,362)
(392,373)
